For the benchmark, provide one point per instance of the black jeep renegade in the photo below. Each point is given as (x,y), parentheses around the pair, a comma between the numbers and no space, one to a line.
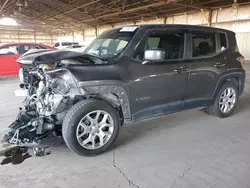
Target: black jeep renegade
(127,74)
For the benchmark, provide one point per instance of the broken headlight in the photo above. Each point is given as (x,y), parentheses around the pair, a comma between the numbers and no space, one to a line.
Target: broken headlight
(60,85)
(61,80)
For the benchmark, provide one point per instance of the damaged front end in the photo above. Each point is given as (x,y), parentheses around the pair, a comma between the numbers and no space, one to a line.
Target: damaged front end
(48,96)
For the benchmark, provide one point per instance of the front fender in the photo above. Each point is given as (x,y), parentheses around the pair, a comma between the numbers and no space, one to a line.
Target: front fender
(116,88)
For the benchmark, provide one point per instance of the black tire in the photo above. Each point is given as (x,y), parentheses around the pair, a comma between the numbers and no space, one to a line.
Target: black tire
(215,108)
(74,116)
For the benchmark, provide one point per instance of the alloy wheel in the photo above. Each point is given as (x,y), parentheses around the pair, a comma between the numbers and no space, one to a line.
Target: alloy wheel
(227,100)
(95,129)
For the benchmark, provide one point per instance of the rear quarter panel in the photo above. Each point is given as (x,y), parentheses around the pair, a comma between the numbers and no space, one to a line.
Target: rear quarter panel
(234,66)
(232,54)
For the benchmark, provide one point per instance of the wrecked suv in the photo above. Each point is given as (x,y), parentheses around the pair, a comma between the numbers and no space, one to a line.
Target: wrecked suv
(127,74)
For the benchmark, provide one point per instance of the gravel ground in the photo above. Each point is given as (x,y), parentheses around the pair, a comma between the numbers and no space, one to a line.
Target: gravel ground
(189,149)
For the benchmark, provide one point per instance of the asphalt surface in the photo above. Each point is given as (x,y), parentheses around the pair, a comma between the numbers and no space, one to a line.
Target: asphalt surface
(189,149)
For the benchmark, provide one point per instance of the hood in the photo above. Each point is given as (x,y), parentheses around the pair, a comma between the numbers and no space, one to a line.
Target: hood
(46,56)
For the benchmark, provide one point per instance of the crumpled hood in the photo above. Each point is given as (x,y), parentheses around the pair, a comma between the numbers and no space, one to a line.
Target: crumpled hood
(46,56)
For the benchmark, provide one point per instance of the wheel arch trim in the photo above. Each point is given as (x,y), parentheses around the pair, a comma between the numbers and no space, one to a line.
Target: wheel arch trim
(115,92)
(240,76)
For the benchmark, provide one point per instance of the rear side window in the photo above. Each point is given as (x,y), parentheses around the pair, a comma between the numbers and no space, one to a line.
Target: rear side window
(203,44)
(223,41)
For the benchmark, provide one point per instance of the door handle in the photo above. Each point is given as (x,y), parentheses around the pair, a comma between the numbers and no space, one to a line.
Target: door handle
(218,65)
(181,69)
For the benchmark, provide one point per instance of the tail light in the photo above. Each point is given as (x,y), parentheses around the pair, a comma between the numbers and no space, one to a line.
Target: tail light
(241,60)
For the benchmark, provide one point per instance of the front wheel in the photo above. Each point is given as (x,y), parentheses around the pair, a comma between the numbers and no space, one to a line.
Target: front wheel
(225,101)
(91,127)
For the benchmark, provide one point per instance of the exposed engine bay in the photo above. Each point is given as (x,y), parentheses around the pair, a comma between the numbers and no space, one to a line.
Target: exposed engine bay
(48,97)
(49,91)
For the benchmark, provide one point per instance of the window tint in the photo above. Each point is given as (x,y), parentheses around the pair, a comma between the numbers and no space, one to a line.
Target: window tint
(69,43)
(172,44)
(56,44)
(65,44)
(153,42)
(76,46)
(223,41)
(26,48)
(9,50)
(203,45)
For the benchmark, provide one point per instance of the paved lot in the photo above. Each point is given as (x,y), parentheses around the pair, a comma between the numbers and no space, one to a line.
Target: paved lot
(190,149)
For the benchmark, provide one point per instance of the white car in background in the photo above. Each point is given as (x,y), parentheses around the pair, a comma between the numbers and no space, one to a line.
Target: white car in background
(76,48)
(63,45)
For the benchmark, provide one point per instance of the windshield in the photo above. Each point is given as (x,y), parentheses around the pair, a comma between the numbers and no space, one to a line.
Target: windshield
(110,43)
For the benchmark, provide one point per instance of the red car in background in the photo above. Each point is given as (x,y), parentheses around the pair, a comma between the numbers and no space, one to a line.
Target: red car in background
(11,51)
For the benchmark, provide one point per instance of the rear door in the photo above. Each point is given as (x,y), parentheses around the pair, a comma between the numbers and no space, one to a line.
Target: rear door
(207,64)
(8,57)
(159,88)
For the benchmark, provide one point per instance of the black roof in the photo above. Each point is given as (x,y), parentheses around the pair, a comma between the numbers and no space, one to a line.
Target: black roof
(180,26)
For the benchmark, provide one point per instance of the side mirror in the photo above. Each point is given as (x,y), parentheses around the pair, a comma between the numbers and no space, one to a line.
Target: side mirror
(154,55)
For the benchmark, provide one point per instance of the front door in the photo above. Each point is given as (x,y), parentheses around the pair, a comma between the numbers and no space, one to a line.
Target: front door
(158,88)
(8,57)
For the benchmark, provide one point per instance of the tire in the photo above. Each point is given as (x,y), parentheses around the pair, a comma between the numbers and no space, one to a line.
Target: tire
(83,112)
(215,109)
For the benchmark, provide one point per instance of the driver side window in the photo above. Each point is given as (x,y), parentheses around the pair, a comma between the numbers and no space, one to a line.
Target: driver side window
(171,43)
(153,42)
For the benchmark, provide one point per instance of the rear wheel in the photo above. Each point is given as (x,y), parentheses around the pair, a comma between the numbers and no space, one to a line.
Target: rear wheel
(225,101)
(91,127)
